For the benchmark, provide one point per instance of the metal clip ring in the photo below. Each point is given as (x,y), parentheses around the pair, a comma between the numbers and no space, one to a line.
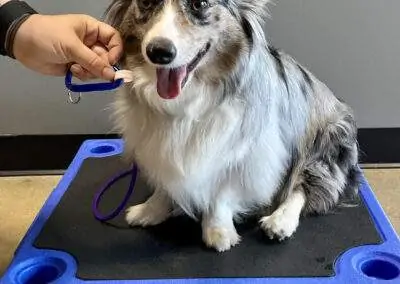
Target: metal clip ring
(71,98)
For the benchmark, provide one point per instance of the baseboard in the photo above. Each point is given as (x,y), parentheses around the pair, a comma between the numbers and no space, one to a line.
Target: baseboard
(39,154)
(379,146)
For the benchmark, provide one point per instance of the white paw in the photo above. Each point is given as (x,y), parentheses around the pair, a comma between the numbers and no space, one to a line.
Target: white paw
(279,226)
(145,215)
(220,239)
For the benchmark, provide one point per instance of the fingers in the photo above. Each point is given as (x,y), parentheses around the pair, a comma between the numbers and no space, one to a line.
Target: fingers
(89,60)
(81,73)
(101,51)
(115,48)
(109,38)
(96,47)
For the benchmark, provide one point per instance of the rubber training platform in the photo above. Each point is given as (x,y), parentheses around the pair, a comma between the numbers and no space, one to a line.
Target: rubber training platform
(66,244)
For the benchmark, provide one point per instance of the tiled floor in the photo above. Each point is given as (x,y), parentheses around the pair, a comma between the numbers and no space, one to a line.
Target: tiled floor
(22,197)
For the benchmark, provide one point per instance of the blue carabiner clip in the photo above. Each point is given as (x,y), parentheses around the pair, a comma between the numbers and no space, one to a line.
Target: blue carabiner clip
(91,87)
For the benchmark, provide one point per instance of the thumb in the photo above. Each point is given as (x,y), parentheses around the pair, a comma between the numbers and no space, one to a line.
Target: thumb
(84,56)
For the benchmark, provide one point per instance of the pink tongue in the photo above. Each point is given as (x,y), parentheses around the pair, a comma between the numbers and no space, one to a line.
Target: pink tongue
(169,81)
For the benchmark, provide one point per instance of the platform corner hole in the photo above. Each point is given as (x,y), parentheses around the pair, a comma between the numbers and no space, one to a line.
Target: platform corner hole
(380,269)
(42,271)
(103,149)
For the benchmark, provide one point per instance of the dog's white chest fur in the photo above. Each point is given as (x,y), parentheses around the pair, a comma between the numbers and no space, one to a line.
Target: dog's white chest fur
(196,158)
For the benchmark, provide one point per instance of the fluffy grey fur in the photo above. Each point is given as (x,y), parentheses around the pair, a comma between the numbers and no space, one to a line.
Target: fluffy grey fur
(250,128)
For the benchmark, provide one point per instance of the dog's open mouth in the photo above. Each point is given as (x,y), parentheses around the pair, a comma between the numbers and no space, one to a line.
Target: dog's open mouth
(170,81)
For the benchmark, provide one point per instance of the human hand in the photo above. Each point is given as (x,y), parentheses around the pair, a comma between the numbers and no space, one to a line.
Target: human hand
(52,44)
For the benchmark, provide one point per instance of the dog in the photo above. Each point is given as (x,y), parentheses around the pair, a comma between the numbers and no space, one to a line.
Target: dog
(223,125)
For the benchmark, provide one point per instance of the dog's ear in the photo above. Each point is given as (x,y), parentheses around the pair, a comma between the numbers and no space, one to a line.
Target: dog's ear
(254,14)
(114,13)
(255,5)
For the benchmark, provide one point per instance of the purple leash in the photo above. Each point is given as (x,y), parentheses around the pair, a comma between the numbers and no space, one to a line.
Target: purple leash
(95,87)
(95,205)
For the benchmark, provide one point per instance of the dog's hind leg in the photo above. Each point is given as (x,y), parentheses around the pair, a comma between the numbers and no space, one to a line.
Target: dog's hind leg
(321,174)
(154,211)
(283,222)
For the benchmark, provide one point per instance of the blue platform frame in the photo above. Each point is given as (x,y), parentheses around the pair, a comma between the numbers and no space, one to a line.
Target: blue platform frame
(350,267)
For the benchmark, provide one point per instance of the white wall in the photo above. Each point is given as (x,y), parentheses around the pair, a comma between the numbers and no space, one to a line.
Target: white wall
(352,45)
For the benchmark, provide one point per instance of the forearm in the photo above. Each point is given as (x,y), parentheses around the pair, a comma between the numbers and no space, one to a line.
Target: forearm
(12,15)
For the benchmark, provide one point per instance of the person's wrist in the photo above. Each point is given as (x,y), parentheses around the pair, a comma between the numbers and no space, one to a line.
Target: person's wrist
(23,37)
(14,31)
(12,15)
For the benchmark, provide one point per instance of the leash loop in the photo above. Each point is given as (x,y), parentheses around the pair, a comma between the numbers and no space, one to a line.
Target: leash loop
(96,201)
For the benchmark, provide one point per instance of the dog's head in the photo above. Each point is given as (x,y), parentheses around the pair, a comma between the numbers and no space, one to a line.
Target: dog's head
(175,42)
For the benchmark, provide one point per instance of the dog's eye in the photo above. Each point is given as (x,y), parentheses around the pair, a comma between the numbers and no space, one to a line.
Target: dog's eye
(145,4)
(199,5)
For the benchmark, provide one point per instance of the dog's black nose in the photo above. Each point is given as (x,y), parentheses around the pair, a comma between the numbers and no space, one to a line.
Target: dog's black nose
(161,51)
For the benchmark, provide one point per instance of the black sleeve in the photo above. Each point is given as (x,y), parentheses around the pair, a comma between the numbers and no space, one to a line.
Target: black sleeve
(12,15)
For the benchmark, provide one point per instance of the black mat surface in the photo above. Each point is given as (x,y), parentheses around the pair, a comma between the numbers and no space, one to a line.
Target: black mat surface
(175,249)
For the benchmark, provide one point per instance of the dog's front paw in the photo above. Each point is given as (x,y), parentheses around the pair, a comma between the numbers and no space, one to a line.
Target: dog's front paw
(279,226)
(221,239)
(145,215)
